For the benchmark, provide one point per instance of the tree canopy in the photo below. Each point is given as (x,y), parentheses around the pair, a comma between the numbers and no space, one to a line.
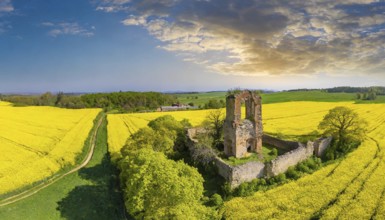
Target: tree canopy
(156,187)
(345,126)
(163,134)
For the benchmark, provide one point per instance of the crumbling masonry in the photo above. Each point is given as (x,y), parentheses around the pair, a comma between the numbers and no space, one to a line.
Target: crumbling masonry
(243,135)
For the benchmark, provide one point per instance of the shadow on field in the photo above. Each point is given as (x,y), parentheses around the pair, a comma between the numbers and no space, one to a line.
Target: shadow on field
(99,200)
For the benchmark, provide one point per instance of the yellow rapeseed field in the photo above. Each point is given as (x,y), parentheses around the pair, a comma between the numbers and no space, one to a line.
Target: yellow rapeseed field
(299,118)
(350,189)
(36,142)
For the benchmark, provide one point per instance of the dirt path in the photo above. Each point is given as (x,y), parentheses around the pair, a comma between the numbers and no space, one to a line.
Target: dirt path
(29,192)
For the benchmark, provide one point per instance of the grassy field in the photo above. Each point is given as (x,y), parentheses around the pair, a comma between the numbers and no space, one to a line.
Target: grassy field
(90,193)
(200,98)
(316,96)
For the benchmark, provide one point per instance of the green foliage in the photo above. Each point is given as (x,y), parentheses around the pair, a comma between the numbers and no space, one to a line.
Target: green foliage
(216,200)
(203,153)
(371,94)
(163,134)
(215,104)
(245,189)
(213,123)
(200,99)
(347,129)
(156,187)
(292,173)
(274,152)
(128,101)
(280,178)
(234,91)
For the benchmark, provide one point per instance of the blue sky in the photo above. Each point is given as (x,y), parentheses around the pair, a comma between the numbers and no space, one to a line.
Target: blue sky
(169,45)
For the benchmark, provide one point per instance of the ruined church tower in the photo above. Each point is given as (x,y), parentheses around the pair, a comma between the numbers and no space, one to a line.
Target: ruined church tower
(242,135)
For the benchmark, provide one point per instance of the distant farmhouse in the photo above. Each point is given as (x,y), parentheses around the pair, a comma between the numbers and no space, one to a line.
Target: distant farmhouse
(175,107)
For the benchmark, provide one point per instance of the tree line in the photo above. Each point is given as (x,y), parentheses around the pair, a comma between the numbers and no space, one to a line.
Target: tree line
(121,101)
(379,90)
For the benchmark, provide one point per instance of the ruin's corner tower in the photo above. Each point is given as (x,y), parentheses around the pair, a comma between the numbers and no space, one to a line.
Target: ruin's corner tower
(243,135)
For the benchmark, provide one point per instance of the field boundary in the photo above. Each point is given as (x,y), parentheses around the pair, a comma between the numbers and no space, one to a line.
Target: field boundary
(31,191)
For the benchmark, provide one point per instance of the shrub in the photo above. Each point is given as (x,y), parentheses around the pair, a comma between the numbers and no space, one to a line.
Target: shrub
(292,173)
(303,168)
(274,152)
(280,178)
(216,200)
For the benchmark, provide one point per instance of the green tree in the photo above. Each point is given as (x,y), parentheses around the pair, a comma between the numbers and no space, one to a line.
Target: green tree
(372,94)
(158,188)
(163,134)
(345,126)
(214,104)
(214,124)
(46,99)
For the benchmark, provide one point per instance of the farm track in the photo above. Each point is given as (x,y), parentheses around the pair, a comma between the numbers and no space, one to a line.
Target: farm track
(31,191)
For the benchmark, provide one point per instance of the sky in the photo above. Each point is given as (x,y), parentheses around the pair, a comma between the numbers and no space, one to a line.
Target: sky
(189,45)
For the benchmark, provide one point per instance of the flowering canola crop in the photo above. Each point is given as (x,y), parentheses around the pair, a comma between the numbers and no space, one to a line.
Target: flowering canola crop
(36,142)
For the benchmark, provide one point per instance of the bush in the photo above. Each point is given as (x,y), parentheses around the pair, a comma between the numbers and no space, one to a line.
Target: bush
(280,178)
(274,152)
(216,200)
(303,168)
(292,173)
(245,189)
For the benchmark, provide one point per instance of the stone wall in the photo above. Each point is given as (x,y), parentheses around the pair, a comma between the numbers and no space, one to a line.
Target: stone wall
(284,145)
(321,145)
(236,175)
(291,158)
(193,132)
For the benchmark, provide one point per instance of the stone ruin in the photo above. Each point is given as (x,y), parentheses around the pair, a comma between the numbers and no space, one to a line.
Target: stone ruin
(243,135)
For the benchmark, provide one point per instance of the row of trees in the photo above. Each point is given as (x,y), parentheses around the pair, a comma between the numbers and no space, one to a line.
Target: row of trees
(121,101)
(370,95)
(128,101)
(47,99)
(380,90)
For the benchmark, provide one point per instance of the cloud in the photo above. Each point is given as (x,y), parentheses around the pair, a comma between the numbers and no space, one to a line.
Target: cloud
(66,28)
(5,6)
(112,5)
(266,37)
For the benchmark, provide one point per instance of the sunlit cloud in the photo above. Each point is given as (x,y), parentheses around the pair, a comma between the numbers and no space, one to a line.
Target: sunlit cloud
(266,37)
(5,6)
(66,28)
